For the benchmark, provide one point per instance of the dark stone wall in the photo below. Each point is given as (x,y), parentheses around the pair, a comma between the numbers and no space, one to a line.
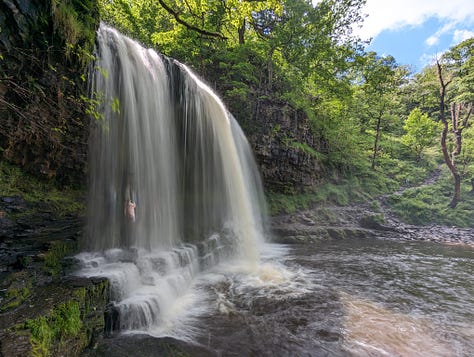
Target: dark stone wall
(286,167)
(42,66)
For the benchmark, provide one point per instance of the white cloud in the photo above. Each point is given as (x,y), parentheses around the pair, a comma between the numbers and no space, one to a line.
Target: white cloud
(458,36)
(396,14)
(461,35)
(432,40)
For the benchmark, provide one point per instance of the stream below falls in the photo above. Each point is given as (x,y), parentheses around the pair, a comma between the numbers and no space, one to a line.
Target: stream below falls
(354,297)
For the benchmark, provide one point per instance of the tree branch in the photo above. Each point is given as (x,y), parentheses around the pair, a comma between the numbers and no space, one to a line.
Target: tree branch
(179,20)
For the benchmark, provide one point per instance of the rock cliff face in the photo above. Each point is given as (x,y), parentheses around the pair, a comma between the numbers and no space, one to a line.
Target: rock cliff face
(282,145)
(43,54)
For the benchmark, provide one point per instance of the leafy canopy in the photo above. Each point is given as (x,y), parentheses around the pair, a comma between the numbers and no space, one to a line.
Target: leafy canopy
(420,131)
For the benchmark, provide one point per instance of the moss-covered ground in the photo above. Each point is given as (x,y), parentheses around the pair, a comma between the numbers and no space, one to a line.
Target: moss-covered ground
(40,194)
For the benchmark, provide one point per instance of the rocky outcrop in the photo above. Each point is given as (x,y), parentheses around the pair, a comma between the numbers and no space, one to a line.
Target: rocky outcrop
(44,50)
(360,221)
(285,148)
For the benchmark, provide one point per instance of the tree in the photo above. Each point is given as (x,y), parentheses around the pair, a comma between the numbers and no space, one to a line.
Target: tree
(376,85)
(422,91)
(420,131)
(163,21)
(456,71)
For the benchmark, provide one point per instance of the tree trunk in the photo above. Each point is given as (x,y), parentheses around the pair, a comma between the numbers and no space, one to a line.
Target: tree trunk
(457,190)
(377,138)
(444,134)
(241,31)
(451,166)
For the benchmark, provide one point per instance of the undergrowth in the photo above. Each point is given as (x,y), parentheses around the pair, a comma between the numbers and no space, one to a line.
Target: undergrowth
(64,322)
(428,204)
(15,182)
(342,193)
(53,258)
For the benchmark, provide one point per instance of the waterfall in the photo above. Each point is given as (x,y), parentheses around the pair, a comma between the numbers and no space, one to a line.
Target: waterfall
(163,139)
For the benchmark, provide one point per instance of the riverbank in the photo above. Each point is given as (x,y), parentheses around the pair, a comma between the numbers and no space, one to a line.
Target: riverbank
(361,220)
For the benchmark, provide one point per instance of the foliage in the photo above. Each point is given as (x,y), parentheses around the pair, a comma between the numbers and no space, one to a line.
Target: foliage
(427,204)
(55,254)
(306,149)
(377,83)
(422,91)
(15,296)
(75,24)
(342,193)
(162,22)
(456,86)
(420,131)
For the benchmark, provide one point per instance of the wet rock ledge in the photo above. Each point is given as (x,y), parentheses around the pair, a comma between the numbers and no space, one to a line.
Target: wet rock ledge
(56,320)
(360,221)
(43,310)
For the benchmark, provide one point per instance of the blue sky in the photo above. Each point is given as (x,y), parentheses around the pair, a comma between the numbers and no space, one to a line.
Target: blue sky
(416,31)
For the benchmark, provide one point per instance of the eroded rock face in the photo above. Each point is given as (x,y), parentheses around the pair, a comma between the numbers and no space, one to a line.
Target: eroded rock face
(18,21)
(43,121)
(283,147)
(38,291)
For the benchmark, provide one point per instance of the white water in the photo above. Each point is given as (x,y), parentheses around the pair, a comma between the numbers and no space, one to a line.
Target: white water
(167,142)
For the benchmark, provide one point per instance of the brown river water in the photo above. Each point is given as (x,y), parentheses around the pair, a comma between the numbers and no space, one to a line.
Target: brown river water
(357,297)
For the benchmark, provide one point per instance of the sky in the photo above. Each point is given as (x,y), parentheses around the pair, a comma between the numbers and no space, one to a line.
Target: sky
(416,31)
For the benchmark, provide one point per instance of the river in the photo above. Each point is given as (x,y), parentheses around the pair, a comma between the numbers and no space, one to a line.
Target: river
(353,297)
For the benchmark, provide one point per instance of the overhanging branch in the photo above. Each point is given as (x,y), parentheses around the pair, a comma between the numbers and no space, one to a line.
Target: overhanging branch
(179,20)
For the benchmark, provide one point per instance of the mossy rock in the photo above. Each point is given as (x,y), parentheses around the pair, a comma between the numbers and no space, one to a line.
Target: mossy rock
(57,320)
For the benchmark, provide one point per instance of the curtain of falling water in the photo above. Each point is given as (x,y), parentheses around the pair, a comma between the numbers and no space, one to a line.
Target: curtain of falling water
(166,141)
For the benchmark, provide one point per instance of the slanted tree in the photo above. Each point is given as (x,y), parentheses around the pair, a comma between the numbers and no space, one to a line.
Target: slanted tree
(455,70)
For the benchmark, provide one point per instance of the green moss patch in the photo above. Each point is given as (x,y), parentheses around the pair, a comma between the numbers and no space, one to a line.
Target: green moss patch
(38,193)
(63,323)
(54,256)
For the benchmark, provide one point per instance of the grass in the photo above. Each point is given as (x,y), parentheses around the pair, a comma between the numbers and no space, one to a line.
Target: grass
(54,256)
(15,297)
(15,182)
(347,191)
(73,21)
(429,204)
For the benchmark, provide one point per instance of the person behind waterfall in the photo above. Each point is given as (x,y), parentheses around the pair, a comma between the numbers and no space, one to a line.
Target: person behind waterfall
(130,210)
